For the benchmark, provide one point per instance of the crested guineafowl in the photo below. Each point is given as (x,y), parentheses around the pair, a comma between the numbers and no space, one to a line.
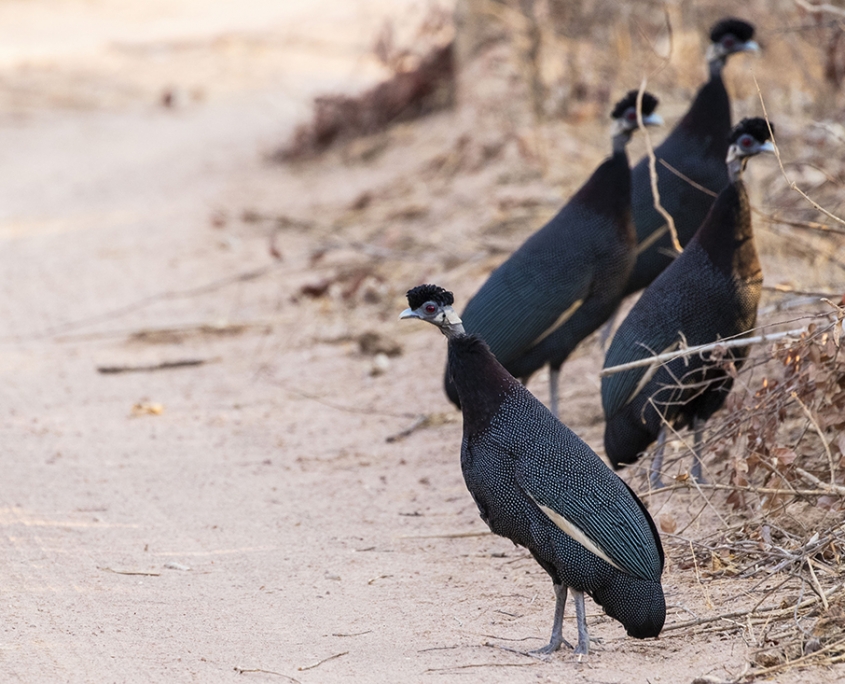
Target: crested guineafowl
(536,483)
(568,277)
(696,150)
(709,292)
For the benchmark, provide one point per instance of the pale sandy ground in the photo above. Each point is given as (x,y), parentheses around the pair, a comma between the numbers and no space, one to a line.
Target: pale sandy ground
(261,521)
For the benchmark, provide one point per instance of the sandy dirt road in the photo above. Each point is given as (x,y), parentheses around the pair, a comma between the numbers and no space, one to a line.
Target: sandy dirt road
(246,514)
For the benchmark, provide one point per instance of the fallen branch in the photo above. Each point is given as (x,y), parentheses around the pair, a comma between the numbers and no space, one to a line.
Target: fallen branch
(453,535)
(142,573)
(474,665)
(146,368)
(241,670)
(689,351)
(324,660)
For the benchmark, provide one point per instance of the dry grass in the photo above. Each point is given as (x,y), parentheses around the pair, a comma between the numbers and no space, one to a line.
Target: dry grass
(777,453)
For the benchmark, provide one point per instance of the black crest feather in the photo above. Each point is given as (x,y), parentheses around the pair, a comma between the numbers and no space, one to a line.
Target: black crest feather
(429,293)
(630,100)
(742,30)
(755,127)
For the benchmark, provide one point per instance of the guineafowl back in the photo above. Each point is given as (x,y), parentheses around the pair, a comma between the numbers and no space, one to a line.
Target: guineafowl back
(696,148)
(582,253)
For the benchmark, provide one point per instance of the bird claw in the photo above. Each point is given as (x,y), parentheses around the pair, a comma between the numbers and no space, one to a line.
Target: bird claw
(551,647)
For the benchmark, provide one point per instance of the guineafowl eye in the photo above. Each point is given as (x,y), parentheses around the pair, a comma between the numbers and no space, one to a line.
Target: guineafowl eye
(631,115)
(746,141)
(430,308)
(729,42)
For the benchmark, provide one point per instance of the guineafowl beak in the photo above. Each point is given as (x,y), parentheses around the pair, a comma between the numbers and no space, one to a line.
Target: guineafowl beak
(749,46)
(408,313)
(653,120)
(767,147)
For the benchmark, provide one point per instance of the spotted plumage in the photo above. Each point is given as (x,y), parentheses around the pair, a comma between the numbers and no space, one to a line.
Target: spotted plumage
(536,483)
(690,163)
(709,292)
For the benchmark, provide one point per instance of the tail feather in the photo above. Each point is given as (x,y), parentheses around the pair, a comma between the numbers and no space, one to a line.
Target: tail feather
(638,604)
(625,439)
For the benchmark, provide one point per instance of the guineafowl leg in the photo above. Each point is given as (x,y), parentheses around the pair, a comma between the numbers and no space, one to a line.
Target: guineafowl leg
(583,647)
(657,463)
(554,377)
(557,627)
(698,428)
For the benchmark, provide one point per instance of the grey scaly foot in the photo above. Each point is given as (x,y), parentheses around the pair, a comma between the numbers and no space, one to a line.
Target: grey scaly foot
(583,647)
(557,627)
(554,379)
(654,474)
(698,428)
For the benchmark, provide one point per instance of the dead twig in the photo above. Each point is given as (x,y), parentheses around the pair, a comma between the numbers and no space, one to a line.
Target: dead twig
(142,573)
(792,184)
(652,172)
(146,368)
(475,665)
(821,7)
(351,634)
(819,432)
(452,535)
(242,670)
(823,486)
(807,225)
(687,179)
(320,662)
(420,422)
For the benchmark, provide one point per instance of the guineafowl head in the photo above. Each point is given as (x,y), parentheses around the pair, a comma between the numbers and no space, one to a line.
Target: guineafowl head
(624,114)
(749,137)
(728,36)
(434,304)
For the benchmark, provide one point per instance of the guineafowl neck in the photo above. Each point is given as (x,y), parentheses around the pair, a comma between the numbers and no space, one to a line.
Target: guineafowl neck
(620,141)
(708,120)
(715,67)
(608,191)
(452,330)
(481,381)
(727,236)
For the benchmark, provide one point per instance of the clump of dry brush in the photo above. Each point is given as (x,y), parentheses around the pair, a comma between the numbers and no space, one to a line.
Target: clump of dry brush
(422,81)
(781,499)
